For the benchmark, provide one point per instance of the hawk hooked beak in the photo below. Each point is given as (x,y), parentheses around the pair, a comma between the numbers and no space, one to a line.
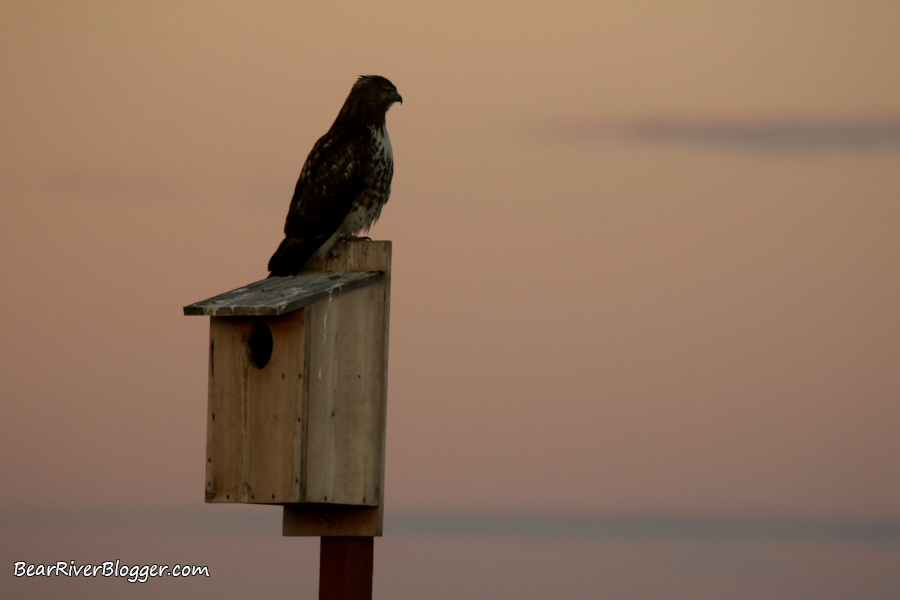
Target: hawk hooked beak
(397,97)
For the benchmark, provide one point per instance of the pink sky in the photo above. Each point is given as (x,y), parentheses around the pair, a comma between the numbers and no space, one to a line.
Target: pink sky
(601,325)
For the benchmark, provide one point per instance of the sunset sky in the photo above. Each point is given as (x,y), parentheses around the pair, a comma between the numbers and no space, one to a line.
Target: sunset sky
(646,263)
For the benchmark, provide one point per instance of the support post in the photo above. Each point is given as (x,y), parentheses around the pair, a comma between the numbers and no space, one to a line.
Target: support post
(345,568)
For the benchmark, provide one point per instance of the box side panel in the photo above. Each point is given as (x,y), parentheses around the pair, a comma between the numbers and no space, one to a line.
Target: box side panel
(346,407)
(272,452)
(224,419)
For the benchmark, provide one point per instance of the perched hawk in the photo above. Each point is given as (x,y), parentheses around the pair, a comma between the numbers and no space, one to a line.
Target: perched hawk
(345,181)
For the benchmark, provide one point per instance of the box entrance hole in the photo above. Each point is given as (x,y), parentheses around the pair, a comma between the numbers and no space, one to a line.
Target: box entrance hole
(261,345)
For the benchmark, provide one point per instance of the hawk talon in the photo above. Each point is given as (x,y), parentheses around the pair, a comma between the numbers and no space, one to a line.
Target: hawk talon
(353,238)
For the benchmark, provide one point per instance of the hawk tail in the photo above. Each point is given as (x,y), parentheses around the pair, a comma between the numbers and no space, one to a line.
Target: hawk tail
(292,255)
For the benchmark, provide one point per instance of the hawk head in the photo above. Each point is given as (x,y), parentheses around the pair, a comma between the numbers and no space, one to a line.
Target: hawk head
(369,100)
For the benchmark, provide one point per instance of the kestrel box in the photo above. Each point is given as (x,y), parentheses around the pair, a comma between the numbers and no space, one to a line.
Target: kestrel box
(298,393)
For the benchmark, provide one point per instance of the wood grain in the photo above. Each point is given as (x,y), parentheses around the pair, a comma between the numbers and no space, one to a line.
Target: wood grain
(272,453)
(312,519)
(255,420)
(280,295)
(347,399)
(224,419)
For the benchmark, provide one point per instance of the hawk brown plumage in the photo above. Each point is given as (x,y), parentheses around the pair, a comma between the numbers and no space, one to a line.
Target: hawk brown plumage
(345,181)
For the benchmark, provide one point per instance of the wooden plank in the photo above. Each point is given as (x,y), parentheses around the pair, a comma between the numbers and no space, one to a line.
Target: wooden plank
(347,401)
(345,398)
(224,421)
(312,519)
(280,295)
(255,421)
(346,565)
(272,453)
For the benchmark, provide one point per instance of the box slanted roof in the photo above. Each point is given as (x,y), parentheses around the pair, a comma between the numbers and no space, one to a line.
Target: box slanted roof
(279,295)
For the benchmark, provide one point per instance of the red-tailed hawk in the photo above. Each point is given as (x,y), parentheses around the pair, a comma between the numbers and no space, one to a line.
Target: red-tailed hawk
(345,181)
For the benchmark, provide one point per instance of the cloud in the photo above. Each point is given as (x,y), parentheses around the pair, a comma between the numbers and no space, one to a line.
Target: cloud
(764,134)
(742,529)
(266,521)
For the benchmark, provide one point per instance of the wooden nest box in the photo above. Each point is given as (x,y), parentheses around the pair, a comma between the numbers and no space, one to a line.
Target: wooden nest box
(298,393)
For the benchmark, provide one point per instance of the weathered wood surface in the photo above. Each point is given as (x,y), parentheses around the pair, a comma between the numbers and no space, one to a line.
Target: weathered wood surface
(256,416)
(345,398)
(224,417)
(280,295)
(312,519)
(347,402)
